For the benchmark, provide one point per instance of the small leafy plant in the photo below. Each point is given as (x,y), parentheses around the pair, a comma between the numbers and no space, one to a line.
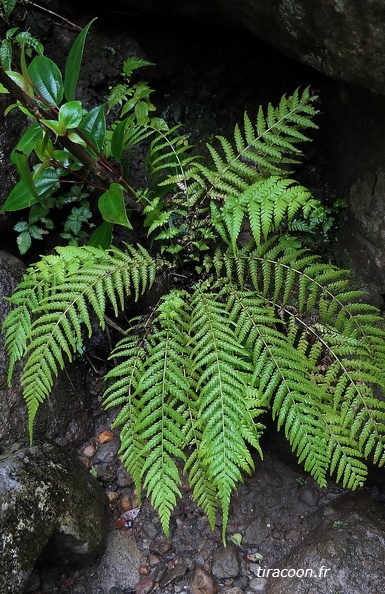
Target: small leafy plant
(69,145)
(261,326)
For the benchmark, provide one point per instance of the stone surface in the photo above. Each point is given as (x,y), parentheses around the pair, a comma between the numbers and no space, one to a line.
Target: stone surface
(66,416)
(203,582)
(226,562)
(345,553)
(344,39)
(50,503)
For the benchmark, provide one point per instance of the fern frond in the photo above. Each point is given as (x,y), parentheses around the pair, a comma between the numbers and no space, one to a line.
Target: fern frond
(133,135)
(267,203)
(204,491)
(283,375)
(123,381)
(288,350)
(224,370)
(162,387)
(260,150)
(74,280)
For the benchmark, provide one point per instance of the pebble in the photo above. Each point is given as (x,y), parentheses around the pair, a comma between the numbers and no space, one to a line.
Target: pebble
(123,479)
(309,496)
(105,437)
(172,575)
(144,586)
(258,584)
(126,502)
(107,452)
(144,569)
(89,451)
(153,559)
(226,563)
(149,529)
(112,496)
(202,582)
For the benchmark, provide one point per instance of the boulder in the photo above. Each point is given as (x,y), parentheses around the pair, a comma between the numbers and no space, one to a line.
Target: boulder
(345,553)
(344,39)
(67,415)
(49,503)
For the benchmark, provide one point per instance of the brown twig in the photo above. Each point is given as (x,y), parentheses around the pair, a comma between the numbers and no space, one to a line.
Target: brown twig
(44,9)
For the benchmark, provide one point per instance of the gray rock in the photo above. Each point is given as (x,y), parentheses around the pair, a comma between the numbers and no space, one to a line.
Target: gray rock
(50,503)
(344,39)
(66,416)
(226,562)
(345,553)
(118,566)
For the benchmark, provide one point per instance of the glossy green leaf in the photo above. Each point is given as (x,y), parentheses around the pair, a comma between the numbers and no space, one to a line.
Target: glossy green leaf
(20,81)
(47,78)
(117,140)
(44,149)
(20,161)
(56,126)
(70,114)
(76,139)
(102,236)
(73,63)
(30,138)
(112,206)
(93,126)
(67,160)
(20,197)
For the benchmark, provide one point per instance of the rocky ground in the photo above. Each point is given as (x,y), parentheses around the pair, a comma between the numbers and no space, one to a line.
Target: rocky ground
(277,512)
(271,514)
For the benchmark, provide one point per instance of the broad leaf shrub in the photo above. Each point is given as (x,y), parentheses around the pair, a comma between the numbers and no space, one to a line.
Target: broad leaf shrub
(264,327)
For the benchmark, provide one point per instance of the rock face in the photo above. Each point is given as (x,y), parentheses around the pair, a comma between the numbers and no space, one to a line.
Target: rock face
(345,553)
(344,39)
(65,417)
(47,497)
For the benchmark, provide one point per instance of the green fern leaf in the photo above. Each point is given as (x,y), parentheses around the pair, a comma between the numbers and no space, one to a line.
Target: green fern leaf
(162,386)
(73,280)
(121,393)
(224,369)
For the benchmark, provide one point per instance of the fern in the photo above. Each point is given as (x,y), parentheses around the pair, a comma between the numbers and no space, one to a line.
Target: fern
(260,150)
(47,322)
(268,328)
(225,377)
